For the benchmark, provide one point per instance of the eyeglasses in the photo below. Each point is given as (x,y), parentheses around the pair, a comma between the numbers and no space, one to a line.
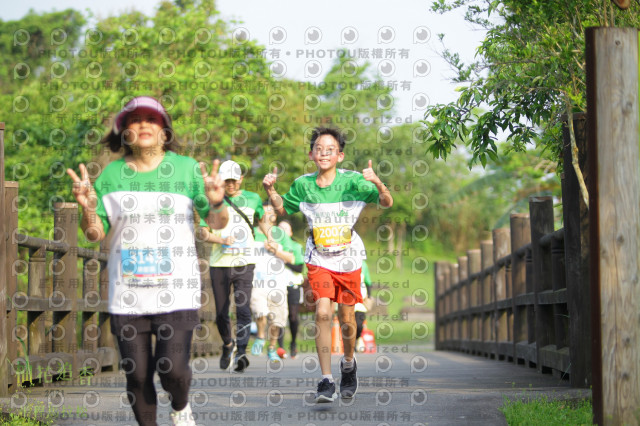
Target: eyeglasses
(329,151)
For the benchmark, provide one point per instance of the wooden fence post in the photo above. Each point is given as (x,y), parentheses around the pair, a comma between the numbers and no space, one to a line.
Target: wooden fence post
(65,281)
(486,300)
(463,274)
(37,288)
(454,290)
(614,209)
(4,240)
(541,213)
(501,248)
(520,236)
(12,269)
(475,265)
(446,308)
(576,251)
(105,339)
(90,286)
(438,304)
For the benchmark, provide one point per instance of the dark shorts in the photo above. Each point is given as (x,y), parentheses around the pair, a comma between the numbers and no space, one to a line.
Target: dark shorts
(178,320)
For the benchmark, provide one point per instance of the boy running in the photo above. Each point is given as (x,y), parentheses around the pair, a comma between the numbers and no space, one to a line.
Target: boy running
(331,199)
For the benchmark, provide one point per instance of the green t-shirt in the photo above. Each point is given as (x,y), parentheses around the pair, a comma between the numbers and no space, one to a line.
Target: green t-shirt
(153,265)
(284,275)
(365,280)
(331,213)
(238,253)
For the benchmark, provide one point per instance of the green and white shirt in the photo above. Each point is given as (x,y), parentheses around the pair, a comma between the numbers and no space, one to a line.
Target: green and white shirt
(270,272)
(153,265)
(332,212)
(240,252)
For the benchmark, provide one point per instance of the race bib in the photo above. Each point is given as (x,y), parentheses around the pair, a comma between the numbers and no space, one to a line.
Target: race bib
(144,263)
(331,239)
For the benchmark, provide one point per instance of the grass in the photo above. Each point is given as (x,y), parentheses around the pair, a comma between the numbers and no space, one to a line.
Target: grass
(10,419)
(31,414)
(549,412)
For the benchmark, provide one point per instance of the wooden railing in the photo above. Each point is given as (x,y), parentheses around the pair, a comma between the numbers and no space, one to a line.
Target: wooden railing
(54,294)
(524,296)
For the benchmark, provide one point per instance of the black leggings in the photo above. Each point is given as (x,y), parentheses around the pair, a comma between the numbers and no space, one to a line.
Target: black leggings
(171,361)
(242,279)
(293,301)
(360,317)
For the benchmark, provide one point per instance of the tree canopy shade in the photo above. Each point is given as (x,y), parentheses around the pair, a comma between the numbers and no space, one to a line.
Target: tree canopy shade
(528,73)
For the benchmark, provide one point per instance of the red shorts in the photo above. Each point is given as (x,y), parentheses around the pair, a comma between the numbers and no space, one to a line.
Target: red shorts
(341,287)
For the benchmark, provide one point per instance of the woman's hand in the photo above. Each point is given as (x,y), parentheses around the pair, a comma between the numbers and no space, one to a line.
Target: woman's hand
(82,189)
(213,185)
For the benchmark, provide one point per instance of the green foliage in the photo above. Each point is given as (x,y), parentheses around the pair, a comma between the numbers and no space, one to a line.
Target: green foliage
(545,411)
(218,89)
(225,103)
(529,70)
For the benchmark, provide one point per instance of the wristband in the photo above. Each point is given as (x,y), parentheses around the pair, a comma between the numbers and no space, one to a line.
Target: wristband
(217,208)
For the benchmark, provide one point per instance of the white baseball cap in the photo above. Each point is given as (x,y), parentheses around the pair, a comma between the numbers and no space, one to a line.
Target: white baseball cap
(230,170)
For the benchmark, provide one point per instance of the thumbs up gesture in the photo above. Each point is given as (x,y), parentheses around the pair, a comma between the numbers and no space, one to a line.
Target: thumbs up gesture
(370,175)
(270,180)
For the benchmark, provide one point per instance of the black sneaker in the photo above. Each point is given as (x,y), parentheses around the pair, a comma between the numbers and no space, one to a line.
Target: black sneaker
(348,381)
(326,391)
(227,354)
(293,350)
(241,363)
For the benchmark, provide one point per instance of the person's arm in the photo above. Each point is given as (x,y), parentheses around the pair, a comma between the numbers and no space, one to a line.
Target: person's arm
(298,262)
(86,196)
(276,249)
(214,190)
(384,199)
(269,182)
(266,229)
(212,237)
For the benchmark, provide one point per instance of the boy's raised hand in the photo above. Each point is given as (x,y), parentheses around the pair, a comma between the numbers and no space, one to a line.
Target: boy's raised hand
(370,175)
(82,188)
(213,185)
(270,180)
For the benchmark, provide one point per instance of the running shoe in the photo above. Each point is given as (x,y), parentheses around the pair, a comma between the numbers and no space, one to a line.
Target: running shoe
(273,355)
(227,354)
(326,391)
(256,348)
(349,380)
(183,417)
(241,363)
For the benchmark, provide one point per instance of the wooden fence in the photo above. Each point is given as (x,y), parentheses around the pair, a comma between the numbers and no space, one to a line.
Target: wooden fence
(524,296)
(54,294)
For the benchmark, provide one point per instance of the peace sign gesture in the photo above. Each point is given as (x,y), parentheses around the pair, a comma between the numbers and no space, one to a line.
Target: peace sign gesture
(82,189)
(213,185)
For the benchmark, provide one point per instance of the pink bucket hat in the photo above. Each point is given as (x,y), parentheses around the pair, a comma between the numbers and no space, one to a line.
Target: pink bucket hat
(141,102)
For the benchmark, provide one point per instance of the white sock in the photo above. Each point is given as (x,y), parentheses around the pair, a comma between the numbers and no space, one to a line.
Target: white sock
(347,364)
(328,376)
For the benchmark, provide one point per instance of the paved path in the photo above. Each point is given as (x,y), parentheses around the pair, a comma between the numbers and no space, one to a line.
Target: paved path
(396,388)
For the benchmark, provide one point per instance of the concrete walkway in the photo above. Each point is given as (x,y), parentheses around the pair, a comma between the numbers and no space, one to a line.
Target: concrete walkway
(396,388)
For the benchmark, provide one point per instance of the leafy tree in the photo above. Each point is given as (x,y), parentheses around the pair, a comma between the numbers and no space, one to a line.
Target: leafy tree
(529,71)
(217,86)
